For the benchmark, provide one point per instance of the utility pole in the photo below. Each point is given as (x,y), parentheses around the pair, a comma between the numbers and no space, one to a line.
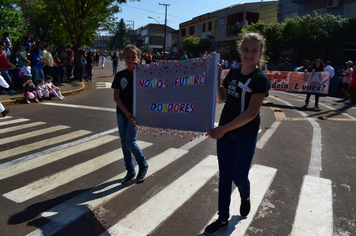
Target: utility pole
(165,26)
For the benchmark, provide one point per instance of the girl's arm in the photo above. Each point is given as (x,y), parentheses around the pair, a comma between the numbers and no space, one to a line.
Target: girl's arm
(221,94)
(242,119)
(119,103)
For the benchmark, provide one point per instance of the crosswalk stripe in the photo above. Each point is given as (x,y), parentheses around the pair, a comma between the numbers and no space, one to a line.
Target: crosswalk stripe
(103,85)
(80,106)
(67,212)
(54,156)
(6,117)
(19,127)
(261,178)
(9,122)
(33,133)
(53,181)
(56,148)
(149,215)
(314,214)
(41,144)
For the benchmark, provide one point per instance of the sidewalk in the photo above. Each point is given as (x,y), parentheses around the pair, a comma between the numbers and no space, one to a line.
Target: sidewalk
(71,87)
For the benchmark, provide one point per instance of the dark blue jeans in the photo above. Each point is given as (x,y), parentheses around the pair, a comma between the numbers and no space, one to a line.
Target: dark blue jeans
(129,146)
(235,153)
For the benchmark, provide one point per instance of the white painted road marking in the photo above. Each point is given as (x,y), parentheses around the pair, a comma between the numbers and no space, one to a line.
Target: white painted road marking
(31,164)
(51,182)
(19,127)
(41,144)
(9,122)
(315,208)
(261,178)
(67,212)
(103,85)
(80,106)
(33,133)
(149,215)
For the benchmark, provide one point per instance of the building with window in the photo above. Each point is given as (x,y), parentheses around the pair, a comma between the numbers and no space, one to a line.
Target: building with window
(152,38)
(223,26)
(346,8)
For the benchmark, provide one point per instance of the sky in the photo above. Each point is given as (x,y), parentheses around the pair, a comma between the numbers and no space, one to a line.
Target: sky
(178,11)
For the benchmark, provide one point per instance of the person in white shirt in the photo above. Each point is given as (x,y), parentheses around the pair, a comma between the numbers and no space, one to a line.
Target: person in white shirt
(52,89)
(41,90)
(102,59)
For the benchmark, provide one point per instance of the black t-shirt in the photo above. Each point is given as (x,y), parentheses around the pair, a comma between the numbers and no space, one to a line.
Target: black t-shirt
(257,82)
(124,81)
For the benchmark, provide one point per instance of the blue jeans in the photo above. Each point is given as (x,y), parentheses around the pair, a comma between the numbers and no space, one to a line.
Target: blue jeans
(235,153)
(37,73)
(128,144)
(114,69)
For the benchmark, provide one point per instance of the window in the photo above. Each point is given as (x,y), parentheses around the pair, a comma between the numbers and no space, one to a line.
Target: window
(182,32)
(221,22)
(204,28)
(210,26)
(350,10)
(191,30)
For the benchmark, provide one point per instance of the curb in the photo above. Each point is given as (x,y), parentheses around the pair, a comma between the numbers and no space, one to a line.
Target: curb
(20,99)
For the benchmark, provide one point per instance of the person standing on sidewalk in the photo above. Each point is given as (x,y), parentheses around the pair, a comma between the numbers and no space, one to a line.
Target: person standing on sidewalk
(123,97)
(243,91)
(347,80)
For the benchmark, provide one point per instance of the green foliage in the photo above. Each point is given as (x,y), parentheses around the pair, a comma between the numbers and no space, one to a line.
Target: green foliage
(315,33)
(120,35)
(11,19)
(196,44)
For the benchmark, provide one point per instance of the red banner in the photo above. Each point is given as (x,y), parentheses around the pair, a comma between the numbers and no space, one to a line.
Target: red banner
(302,82)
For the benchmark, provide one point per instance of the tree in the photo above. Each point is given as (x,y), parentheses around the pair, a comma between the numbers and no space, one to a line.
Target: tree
(76,21)
(120,35)
(196,45)
(11,19)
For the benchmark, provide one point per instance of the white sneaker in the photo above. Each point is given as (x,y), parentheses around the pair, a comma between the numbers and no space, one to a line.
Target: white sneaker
(28,102)
(37,100)
(60,98)
(63,97)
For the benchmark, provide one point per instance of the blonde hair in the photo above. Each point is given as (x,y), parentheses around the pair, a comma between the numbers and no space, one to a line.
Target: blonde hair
(133,48)
(253,36)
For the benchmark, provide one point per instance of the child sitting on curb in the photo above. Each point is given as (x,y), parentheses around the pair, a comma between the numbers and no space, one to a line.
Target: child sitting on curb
(29,90)
(41,90)
(52,89)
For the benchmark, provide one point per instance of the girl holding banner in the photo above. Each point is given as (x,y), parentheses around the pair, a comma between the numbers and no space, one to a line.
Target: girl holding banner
(123,97)
(243,91)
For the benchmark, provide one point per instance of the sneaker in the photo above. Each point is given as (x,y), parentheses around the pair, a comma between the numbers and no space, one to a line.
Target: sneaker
(245,207)
(129,177)
(28,102)
(41,99)
(63,97)
(317,107)
(141,175)
(37,100)
(4,113)
(215,227)
(12,91)
(305,106)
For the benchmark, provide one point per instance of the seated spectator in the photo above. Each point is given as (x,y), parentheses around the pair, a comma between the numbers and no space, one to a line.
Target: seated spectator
(52,89)
(29,90)
(41,90)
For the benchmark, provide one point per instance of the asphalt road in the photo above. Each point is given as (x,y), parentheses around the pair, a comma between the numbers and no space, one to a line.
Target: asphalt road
(61,166)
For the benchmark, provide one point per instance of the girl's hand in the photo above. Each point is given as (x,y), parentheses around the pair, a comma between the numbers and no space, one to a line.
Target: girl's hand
(131,118)
(217,132)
